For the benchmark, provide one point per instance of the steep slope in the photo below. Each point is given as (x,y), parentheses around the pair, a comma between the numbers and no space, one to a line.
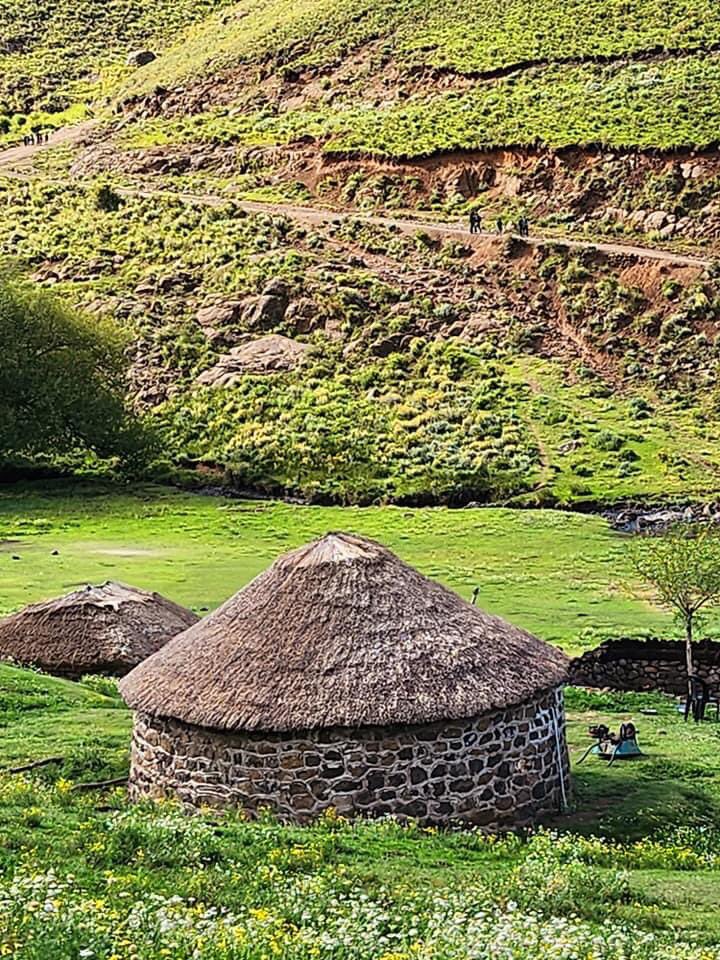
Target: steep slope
(437,370)
(262,175)
(54,55)
(477,38)
(598,116)
(409,79)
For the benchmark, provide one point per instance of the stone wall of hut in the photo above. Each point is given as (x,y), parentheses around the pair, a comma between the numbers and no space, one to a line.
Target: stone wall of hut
(505,769)
(645,665)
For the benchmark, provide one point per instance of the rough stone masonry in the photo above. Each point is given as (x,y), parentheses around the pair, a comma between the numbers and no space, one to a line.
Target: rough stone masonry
(629,664)
(502,770)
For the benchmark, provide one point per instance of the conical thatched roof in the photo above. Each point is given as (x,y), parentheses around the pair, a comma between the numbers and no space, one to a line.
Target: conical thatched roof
(342,633)
(105,629)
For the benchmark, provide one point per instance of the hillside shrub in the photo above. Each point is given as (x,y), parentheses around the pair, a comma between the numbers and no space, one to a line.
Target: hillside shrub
(62,380)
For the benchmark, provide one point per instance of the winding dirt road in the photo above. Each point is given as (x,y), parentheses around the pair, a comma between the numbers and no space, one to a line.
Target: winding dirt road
(460,231)
(315,216)
(12,156)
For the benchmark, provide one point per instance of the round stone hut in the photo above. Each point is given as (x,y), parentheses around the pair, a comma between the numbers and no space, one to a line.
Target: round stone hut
(99,629)
(341,677)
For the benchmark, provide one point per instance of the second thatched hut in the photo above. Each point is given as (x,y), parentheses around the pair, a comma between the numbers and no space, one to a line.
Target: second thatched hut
(106,629)
(341,677)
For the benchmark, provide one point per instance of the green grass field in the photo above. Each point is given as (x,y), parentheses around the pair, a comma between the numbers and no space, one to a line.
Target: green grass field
(564,576)
(85,871)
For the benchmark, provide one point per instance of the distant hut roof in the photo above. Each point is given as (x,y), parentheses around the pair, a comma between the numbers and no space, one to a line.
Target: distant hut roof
(342,633)
(108,628)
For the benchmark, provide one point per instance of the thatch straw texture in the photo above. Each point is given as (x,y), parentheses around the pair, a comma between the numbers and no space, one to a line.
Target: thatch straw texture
(104,629)
(342,633)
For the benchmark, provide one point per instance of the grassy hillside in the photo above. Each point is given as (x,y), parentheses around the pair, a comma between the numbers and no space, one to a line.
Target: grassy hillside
(373,77)
(423,382)
(662,105)
(475,38)
(376,69)
(437,371)
(43,716)
(57,54)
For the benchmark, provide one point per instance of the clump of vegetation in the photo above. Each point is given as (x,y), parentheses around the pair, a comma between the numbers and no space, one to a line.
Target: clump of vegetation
(62,380)
(105,686)
(107,199)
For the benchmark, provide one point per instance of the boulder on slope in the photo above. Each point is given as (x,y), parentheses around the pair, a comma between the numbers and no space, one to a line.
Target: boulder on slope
(271,354)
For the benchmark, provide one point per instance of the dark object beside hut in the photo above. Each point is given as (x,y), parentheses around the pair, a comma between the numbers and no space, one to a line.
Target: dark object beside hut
(341,677)
(105,629)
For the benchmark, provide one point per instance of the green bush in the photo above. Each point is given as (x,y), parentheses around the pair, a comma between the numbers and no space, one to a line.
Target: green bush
(62,380)
(107,199)
(106,686)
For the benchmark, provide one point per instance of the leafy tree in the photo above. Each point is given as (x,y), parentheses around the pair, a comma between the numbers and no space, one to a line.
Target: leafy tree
(62,379)
(682,567)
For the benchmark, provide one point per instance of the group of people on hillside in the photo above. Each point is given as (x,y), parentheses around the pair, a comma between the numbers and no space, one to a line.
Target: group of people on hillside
(36,137)
(523,224)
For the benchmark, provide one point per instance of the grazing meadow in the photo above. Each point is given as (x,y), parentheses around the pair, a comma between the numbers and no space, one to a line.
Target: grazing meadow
(564,576)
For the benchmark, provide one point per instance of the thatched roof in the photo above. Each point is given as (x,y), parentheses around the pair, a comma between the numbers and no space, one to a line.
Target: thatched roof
(342,633)
(105,629)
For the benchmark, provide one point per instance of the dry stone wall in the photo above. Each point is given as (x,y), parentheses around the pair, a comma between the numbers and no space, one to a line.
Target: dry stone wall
(645,665)
(501,770)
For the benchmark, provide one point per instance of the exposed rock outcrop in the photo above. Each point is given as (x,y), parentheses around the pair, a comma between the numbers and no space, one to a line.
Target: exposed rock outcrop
(271,354)
(271,308)
(218,319)
(171,160)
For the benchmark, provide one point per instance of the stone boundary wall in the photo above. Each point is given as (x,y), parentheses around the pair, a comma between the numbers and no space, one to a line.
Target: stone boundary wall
(501,770)
(645,665)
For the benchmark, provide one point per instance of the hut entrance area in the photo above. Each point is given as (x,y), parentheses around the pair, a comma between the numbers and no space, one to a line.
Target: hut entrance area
(501,770)
(343,678)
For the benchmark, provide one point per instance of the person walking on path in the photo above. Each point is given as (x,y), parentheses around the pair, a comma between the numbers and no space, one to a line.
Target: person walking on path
(475,222)
(499,225)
